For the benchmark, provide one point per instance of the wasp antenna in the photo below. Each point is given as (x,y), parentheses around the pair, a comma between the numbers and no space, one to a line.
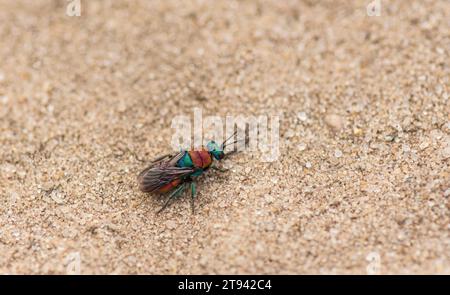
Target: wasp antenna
(231,136)
(236,141)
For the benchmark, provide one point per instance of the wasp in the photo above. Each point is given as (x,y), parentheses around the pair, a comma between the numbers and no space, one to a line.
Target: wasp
(172,174)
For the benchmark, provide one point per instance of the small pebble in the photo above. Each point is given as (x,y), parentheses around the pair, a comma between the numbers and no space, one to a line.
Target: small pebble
(170,224)
(308,189)
(57,196)
(268,199)
(302,116)
(334,121)
(290,133)
(406,148)
(302,147)
(122,107)
(389,138)
(357,131)
(446,152)
(424,145)
(447,193)
(338,153)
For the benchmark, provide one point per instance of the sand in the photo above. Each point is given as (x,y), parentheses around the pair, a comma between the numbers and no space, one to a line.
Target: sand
(362,184)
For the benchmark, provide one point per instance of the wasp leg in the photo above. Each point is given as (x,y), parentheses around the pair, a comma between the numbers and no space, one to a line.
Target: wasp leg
(172,195)
(193,192)
(219,169)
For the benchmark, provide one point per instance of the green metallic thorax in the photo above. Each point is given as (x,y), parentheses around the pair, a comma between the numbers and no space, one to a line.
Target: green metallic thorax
(186,161)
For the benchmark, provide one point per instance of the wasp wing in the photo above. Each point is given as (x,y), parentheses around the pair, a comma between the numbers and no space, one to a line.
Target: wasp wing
(168,159)
(162,171)
(157,177)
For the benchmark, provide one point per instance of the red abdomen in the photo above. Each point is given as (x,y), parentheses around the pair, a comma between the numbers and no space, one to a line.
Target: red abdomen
(167,187)
(200,159)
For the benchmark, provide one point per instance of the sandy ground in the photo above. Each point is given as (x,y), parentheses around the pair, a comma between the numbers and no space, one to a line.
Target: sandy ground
(362,183)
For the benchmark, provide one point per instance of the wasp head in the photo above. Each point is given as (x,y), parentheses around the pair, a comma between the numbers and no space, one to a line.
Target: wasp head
(215,150)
